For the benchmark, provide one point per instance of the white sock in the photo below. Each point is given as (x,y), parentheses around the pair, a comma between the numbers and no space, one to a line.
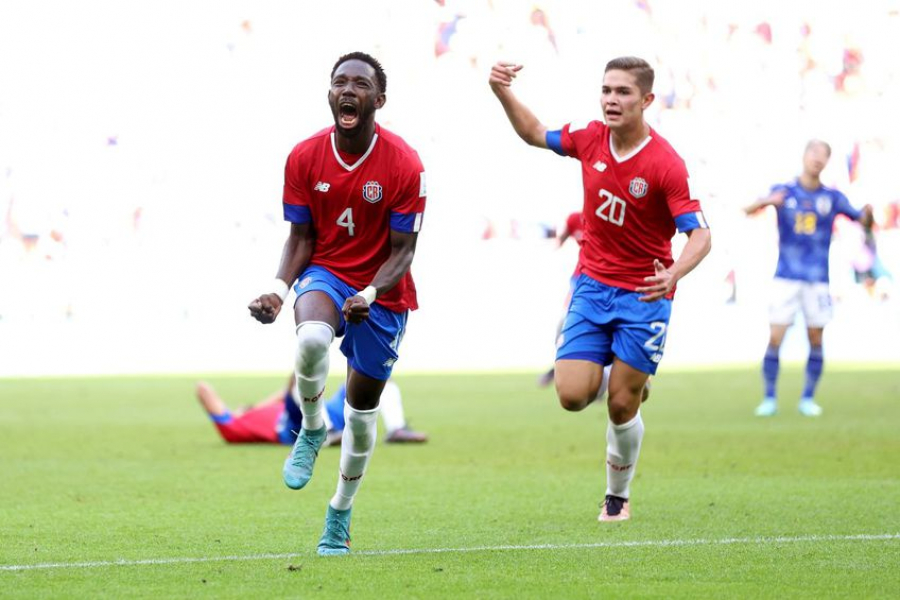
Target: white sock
(313,341)
(391,408)
(623,445)
(357,446)
(604,385)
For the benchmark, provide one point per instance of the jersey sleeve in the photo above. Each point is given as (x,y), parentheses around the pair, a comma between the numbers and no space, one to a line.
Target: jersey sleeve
(573,222)
(296,192)
(685,209)
(409,205)
(842,206)
(571,140)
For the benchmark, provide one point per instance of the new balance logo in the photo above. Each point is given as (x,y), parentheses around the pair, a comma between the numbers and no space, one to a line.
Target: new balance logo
(322,187)
(600,165)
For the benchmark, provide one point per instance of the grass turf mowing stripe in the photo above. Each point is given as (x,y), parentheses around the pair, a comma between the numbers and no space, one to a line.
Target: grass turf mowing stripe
(862,537)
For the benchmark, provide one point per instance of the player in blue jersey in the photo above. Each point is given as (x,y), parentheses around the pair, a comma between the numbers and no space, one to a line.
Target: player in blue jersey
(806,212)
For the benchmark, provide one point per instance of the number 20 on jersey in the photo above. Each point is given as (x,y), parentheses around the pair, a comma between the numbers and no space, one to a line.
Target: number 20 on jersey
(612,208)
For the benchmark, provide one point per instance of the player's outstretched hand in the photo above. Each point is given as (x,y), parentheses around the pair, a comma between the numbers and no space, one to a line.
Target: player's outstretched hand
(867,218)
(265,308)
(502,75)
(660,284)
(356,309)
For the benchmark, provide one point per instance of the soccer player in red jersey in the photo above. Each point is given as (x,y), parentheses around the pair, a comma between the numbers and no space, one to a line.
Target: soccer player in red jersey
(354,194)
(636,195)
(277,419)
(573,229)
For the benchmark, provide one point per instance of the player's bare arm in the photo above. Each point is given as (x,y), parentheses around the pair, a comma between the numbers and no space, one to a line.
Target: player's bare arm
(776,198)
(403,248)
(520,116)
(663,282)
(867,218)
(294,257)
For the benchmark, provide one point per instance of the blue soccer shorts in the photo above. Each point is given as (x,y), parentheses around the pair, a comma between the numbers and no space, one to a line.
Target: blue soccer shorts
(370,346)
(605,321)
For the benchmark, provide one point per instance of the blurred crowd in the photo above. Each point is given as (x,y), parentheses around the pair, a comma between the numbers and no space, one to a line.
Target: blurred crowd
(141,150)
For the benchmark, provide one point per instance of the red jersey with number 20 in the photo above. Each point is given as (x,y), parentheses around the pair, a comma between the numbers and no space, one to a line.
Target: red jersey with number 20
(632,204)
(353,207)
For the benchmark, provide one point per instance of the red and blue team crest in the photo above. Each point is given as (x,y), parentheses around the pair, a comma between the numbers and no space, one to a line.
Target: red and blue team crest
(638,187)
(372,191)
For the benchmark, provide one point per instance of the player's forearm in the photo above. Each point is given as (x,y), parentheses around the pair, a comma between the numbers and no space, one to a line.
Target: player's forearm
(392,271)
(525,123)
(396,266)
(698,246)
(295,255)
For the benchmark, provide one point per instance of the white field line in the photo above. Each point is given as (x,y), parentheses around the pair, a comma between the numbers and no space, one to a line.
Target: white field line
(863,537)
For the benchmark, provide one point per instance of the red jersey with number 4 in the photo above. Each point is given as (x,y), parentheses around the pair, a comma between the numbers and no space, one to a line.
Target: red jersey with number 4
(353,203)
(632,204)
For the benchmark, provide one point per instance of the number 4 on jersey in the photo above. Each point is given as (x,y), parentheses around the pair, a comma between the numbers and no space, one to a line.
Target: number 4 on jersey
(346,220)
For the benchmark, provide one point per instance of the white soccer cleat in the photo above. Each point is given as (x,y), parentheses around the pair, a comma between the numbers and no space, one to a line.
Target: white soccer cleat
(809,408)
(767,408)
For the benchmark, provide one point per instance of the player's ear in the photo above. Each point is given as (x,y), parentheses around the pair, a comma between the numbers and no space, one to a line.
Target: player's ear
(380,100)
(648,100)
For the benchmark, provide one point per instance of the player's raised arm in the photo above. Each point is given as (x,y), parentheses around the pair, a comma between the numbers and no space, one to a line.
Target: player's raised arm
(403,249)
(776,198)
(523,120)
(294,257)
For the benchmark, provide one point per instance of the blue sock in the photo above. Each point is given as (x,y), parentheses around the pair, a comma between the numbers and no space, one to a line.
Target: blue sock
(294,414)
(223,419)
(813,371)
(770,370)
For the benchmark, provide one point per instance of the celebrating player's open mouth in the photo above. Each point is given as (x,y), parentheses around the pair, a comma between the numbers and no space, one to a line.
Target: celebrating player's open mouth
(349,115)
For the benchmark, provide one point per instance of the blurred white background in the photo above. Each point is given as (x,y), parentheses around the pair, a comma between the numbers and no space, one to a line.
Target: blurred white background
(142,147)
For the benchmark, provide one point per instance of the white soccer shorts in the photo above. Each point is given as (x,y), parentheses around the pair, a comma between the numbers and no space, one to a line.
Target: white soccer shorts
(790,296)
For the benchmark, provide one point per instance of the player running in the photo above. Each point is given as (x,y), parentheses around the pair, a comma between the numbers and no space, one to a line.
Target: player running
(354,194)
(806,211)
(635,196)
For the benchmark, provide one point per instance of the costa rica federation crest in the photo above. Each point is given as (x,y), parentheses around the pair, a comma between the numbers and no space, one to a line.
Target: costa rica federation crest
(638,187)
(372,191)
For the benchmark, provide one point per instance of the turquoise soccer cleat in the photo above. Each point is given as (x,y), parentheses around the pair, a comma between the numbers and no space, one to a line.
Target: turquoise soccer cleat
(298,466)
(767,408)
(809,408)
(336,535)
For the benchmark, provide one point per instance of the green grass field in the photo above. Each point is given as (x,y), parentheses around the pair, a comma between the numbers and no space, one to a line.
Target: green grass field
(502,502)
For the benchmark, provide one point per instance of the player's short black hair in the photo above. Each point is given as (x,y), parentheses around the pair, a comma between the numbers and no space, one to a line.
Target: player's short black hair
(369,60)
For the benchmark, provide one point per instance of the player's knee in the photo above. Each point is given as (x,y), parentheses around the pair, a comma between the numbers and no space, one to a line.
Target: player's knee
(623,406)
(573,401)
(313,341)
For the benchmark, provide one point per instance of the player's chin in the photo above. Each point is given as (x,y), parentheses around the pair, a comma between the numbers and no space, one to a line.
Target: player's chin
(348,132)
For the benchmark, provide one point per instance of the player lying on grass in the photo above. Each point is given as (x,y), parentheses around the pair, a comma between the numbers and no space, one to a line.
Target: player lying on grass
(277,419)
